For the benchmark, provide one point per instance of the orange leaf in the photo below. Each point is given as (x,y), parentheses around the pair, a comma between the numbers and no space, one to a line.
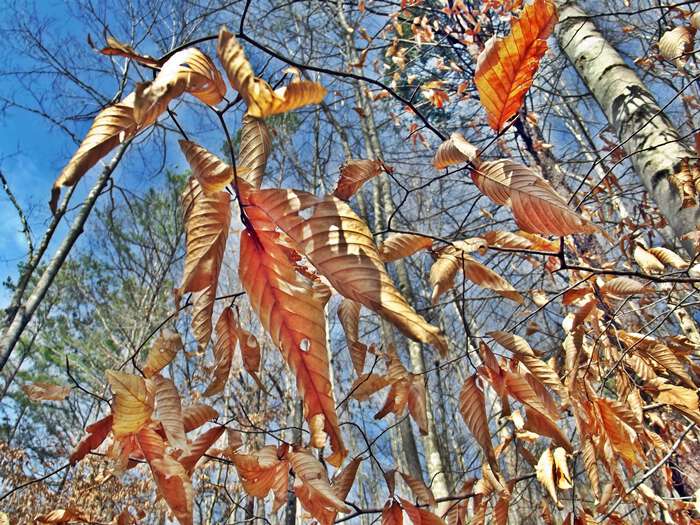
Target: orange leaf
(162,352)
(132,405)
(400,245)
(59,516)
(420,490)
(349,315)
(196,415)
(97,433)
(200,446)
(392,513)
(506,66)
(473,409)
(353,174)
(264,470)
(226,340)
(169,410)
(420,516)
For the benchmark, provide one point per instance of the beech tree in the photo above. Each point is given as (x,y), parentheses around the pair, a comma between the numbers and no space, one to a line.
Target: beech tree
(404,294)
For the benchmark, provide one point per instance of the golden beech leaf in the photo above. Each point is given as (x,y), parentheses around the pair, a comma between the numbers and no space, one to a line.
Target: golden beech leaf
(250,353)
(224,349)
(344,479)
(293,314)
(392,514)
(590,463)
(420,490)
(367,384)
(349,316)
(353,174)
(675,44)
(207,220)
(311,485)
(39,391)
(677,396)
(647,261)
(97,433)
(669,257)
(455,150)
(59,516)
(536,206)
(506,67)
(132,405)
(452,259)
(260,98)
(623,439)
(420,516)
(341,247)
(473,409)
(173,482)
(264,470)
(624,287)
(544,426)
(212,173)
(196,415)
(169,410)
(114,47)
(256,146)
(510,240)
(200,446)
(522,388)
(189,71)
(164,349)
(111,127)
(545,473)
(561,469)
(400,245)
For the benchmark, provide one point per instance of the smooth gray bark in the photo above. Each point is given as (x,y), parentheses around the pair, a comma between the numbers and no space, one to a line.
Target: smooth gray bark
(645,132)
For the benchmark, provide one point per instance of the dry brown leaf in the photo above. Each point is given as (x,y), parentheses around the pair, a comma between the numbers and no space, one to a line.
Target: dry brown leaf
(39,391)
(506,67)
(353,174)
(367,384)
(669,257)
(392,513)
(399,245)
(207,220)
(196,415)
(349,316)
(500,510)
(536,206)
(132,405)
(561,469)
(111,127)
(417,403)
(256,146)
(624,287)
(674,45)
(647,261)
(200,446)
(264,470)
(545,473)
(250,354)
(60,516)
(341,247)
(545,426)
(509,240)
(114,47)
(316,494)
(224,349)
(211,172)
(169,410)
(162,352)
(473,409)
(420,490)
(293,314)
(187,71)
(97,432)
(455,150)
(420,516)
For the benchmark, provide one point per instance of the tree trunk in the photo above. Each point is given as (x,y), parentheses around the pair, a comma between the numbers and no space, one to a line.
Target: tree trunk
(642,128)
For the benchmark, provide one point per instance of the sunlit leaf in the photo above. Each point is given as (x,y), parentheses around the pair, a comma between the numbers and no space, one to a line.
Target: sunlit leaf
(132,405)
(169,410)
(224,349)
(164,349)
(353,174)
(399,245)
(39,391)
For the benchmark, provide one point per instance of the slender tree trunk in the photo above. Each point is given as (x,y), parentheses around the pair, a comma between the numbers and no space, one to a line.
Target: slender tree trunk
(646,133)
(26,311)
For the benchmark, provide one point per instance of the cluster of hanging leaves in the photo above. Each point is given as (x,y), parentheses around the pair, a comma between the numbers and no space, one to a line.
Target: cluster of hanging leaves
(297,249)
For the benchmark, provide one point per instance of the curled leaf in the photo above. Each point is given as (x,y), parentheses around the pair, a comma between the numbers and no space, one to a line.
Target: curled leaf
(455,150)
(353,174)
(400,245)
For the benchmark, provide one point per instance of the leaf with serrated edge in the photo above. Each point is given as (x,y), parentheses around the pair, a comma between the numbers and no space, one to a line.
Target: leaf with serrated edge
(132,405)
(455,150)
(473,409)
(399,245)
(196,415)
(353,174)
(224,349)
(169,410)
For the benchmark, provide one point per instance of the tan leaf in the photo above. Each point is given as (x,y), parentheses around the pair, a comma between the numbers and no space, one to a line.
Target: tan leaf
(189,71)
(561,469)
(545,473)
(455,150)
(400,245)
(162,352)
(260,98)
(675,395)
(665,357)
(419,516)
(340,246)
(112,126)
(675,44)
(132,405)
(646,261)
(349,316)
(590,463)
(211,172)
(250,353)
(392,513)
(317,494)
(293,314)
(417,403)
(39,391)
(207,220)
(669,257)
(545,426)
(114,47)
(256,146)
(224,349)
(420,490)
(510,240)
(506,67)
(622,438)
(264,470)
(196,415)
(169,410)
(63,516)
(624,287)
(367,384)
(526,391)
(353,174)
(344,479)
(536,206)
(200,446)
(472,406)
(97,433)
